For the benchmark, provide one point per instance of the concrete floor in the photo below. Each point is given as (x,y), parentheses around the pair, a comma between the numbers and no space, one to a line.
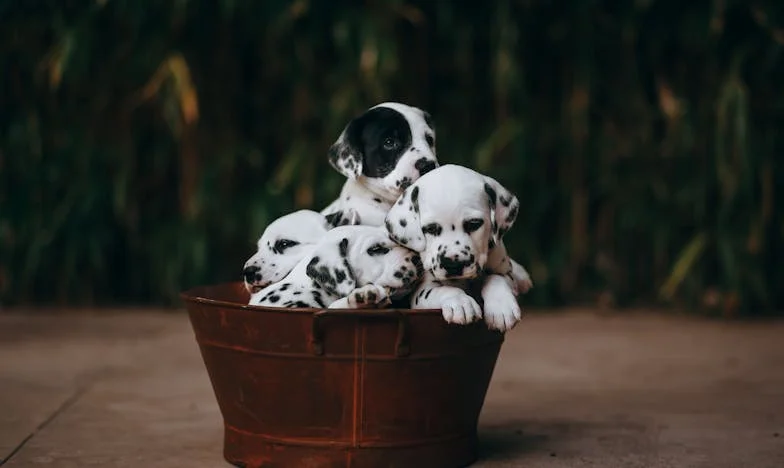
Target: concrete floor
(577,389)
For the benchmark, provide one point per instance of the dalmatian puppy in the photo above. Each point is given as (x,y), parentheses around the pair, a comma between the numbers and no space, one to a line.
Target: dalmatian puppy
(350,267)
(382,152)
(285,242)
(459,234)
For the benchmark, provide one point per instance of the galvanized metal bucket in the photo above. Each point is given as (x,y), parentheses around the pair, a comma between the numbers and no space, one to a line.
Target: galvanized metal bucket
(342,388)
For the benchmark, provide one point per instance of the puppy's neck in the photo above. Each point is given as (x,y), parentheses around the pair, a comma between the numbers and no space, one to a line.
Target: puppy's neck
(369,207)
(373,188)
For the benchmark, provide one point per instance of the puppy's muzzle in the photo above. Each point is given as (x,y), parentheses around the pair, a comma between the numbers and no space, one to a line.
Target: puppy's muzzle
(455,267)
(252,276)
(424,166)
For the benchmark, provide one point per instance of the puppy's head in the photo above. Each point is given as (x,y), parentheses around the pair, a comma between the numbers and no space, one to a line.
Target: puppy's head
(387,148)
(285,242)
(349,257)
(454,216)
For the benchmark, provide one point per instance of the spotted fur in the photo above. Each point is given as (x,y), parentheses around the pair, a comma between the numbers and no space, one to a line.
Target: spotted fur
(359,266)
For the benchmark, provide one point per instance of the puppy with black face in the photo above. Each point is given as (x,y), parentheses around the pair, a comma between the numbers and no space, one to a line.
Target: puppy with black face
(381,153)
(284,243)
(456,218)
(350,267)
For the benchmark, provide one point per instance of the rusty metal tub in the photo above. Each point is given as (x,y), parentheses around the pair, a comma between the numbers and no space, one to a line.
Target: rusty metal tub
(342,388)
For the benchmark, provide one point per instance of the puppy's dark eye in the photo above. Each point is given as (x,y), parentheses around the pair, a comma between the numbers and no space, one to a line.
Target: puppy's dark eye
(391,144)
(471,225)
(283,244)
(377,249)
(434,229)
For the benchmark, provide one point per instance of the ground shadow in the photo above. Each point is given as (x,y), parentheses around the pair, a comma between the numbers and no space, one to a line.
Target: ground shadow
(502,444)
(513,439)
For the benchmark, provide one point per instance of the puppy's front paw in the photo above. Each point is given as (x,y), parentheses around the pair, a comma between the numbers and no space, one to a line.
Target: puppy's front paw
(368,296)
(461,309)
(502,312)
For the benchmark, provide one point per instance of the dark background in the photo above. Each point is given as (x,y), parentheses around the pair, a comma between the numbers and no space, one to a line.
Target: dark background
(145,145)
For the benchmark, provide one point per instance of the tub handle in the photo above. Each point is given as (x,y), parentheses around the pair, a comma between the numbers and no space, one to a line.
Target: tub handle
(402,346)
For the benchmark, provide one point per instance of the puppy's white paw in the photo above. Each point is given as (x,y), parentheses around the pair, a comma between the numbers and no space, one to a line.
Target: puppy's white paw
(368,296)
(461,309)
(502,312)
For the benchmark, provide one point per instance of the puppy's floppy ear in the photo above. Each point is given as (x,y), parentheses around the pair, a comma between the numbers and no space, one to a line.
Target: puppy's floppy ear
(504,207)
(330,269)
(402,221)
(346,154)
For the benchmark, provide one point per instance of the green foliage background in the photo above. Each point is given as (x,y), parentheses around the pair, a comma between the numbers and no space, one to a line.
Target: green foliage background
(145,145)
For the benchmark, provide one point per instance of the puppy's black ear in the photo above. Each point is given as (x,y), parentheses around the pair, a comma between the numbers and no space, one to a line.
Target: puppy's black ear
(403,222)
(346,154)
(504,207)
(330,269)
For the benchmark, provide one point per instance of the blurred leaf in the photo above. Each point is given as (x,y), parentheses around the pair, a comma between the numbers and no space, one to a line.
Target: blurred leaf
(152,143)
(684,264)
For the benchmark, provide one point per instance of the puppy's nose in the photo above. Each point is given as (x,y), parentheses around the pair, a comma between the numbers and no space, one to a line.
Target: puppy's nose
(250,272)
(424,166)
(452,266)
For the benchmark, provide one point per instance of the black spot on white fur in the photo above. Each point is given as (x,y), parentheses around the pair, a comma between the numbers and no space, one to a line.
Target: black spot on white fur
(415,199)
(343,246)
(510,218)
(334,219)
(492,196)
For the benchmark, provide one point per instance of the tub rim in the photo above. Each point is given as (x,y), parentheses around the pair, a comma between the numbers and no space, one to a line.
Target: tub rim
(196,294)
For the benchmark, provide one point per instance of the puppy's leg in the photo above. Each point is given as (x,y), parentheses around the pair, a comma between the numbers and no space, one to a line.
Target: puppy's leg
(499,262)
(456,306)
(368,296)
(502,312)
(521,277)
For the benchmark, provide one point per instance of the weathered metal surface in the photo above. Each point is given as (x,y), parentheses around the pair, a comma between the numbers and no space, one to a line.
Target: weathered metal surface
(362,388)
